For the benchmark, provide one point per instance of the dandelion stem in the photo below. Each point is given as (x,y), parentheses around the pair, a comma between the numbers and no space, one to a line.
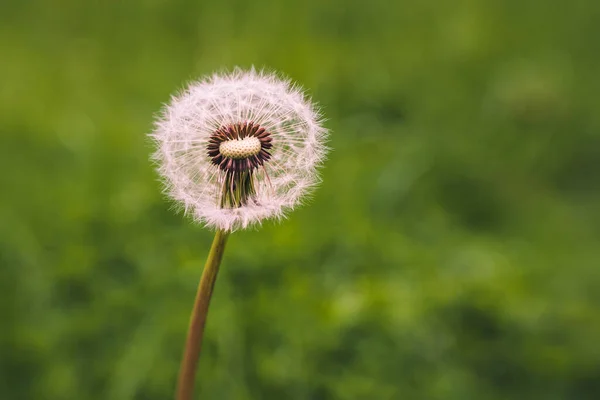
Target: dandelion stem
(193,344)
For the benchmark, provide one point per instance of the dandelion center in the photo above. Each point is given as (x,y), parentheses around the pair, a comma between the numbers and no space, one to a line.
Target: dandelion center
(240,149)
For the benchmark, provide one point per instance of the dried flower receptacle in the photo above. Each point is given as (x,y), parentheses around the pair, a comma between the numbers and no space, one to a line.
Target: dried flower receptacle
(238,150)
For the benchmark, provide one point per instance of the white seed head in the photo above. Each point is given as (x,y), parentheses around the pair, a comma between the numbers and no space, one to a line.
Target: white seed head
(244,129)
(239,149)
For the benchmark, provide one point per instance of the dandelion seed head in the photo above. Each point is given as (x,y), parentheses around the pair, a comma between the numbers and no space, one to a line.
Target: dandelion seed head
(237,148)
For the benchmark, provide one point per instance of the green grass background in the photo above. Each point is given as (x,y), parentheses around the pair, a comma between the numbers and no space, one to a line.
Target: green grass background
(452,251)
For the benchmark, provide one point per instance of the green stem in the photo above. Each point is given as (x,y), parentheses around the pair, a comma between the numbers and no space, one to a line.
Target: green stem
(193,344)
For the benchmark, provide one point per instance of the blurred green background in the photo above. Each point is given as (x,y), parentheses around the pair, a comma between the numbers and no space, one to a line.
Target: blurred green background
(451,252)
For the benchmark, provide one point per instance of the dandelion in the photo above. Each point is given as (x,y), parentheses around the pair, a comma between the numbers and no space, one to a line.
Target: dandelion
(239,148)
(233,150)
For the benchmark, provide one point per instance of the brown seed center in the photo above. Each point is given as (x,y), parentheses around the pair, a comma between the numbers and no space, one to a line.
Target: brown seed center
(239,147)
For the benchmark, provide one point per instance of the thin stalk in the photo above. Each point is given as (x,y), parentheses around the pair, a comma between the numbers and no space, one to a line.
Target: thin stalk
(191,354)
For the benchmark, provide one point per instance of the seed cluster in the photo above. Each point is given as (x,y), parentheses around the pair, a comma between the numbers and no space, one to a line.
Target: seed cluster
(239,147)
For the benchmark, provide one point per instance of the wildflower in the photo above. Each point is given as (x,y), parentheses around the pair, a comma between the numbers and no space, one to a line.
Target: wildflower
(238,148)
(235,149)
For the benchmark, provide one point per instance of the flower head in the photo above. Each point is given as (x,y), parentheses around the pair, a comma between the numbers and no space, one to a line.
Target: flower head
(238,148)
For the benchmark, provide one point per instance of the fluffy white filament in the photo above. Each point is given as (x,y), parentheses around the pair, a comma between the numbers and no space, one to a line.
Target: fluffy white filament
(186,124)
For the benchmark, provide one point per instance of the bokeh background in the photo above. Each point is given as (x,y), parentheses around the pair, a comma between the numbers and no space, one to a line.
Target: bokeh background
(452,251)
